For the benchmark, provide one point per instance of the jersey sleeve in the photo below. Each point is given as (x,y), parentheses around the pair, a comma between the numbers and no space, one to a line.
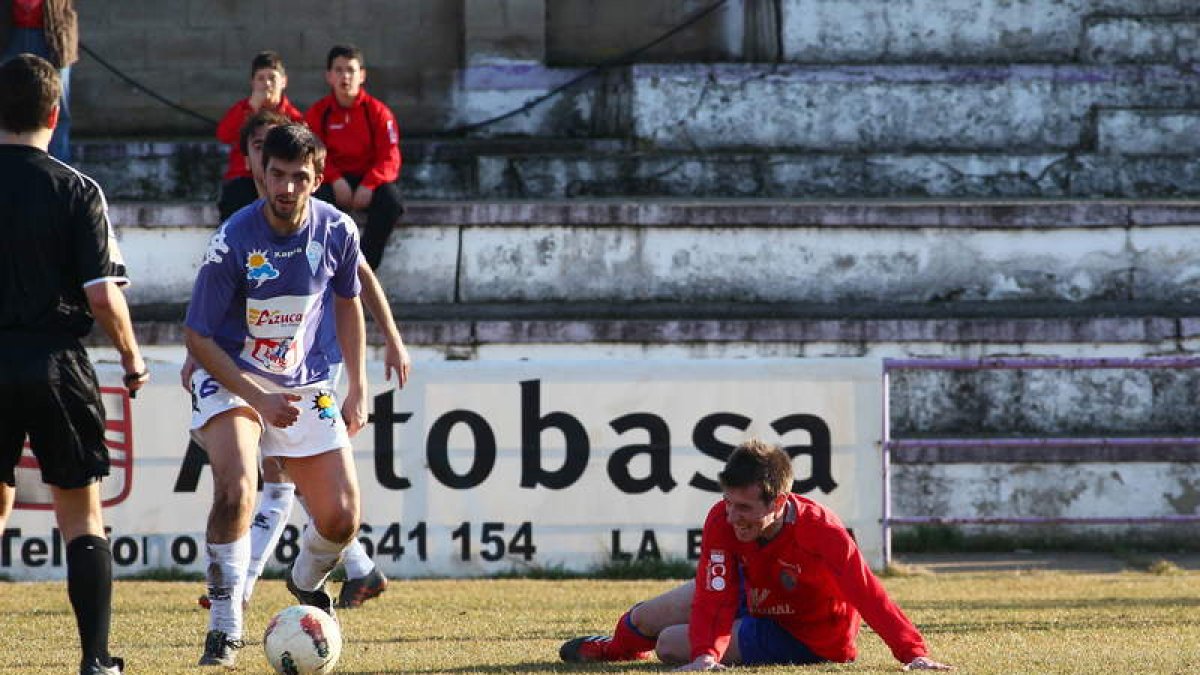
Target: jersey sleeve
(290,111)
(345,279)
(313,118)
(385,165)
(216,284)
(866,593)
(97,254)
(229,129)
(715,599)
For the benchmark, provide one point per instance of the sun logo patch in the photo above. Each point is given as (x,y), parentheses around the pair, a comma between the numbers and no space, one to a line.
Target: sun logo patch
(259,268)
(326,406)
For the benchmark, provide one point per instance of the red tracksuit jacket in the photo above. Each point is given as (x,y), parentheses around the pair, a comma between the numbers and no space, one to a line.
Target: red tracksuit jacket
(810,578)
(362,140)
(229,132)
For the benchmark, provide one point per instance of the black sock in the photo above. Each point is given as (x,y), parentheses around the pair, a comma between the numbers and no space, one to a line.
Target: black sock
(89,586)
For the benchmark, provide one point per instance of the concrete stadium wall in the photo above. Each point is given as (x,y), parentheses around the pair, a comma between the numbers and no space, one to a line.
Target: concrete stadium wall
(897,108)
(440,63)
(197,53)
(815,254)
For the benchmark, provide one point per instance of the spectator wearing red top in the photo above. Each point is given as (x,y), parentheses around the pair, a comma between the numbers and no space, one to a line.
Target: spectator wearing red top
(780,581)
(268,79)
(49,29)
(362,168)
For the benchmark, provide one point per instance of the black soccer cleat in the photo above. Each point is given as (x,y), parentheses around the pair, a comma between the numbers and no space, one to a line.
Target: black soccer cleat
(92,666)
(318,598)
(357,591)
(219,650)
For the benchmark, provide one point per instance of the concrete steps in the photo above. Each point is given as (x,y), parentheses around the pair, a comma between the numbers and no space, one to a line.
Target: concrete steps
(1126,153)
(706,253)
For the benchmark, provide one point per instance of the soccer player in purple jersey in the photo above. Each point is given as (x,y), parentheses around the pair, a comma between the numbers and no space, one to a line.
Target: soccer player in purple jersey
(264,380)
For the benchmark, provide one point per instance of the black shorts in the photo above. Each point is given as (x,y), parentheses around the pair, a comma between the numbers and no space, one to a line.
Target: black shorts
(49,391)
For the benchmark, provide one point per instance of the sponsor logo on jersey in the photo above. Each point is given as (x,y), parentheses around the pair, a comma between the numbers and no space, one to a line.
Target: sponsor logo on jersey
(756,598)
(275,355)
(718,570)
(217,248)
(393,136)
(268,317)
(259,268)
(326,406)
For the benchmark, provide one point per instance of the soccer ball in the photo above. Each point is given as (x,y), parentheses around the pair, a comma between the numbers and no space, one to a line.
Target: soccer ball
(302,640)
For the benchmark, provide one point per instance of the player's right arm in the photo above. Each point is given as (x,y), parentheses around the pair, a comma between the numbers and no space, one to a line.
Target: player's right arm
(108,305)
(275,409)
(102,273)
(715,600)
(219,286)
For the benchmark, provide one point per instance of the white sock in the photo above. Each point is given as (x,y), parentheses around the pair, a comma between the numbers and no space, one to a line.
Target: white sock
(317,558)
(358,563)
(226,572)
(274,508)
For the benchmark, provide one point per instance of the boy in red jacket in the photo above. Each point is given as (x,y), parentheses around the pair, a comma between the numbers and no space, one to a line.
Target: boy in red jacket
(780,581)
(362,168)
(267,82)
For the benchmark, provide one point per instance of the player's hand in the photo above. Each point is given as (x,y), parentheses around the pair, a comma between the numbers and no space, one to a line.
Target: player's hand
(277,410)
(362,198)
(136,373)
(343,196)
(258,96)
(354,410)
(926,663)
(396,358)
(705,662)
(185,373)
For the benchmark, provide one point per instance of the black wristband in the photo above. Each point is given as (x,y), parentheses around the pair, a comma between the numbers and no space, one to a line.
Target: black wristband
(130,378)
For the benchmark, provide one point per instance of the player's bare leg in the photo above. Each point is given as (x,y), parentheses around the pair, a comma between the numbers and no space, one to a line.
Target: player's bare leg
(231,440)
(637,631)
(8,495)
(330,486)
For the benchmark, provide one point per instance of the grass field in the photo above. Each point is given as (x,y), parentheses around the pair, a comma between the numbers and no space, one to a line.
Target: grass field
(1041,622)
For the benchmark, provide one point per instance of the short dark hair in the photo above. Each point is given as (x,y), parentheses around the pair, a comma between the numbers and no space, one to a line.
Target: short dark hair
(260,119)
(267,59)
(757,463)
(31,90)
(291,142)
(346,52)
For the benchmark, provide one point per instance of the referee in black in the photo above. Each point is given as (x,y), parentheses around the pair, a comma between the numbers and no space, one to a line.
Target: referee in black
(60,270)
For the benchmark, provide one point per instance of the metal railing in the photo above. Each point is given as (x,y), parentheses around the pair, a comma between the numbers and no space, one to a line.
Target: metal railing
(1022,363)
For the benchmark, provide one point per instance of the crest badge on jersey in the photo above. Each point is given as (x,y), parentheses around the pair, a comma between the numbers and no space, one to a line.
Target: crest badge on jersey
(314,252)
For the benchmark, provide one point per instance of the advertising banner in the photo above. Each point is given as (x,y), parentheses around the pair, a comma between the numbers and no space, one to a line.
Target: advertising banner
(478,467)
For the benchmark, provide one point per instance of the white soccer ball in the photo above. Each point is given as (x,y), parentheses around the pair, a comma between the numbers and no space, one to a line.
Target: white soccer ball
(302,640)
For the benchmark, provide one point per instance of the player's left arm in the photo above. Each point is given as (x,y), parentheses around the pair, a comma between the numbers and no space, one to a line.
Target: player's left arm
(864,590)
(395,355)
(351,334)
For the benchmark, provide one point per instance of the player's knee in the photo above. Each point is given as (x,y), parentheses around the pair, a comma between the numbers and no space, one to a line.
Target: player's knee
(340,528)
(672,646)
(233,496)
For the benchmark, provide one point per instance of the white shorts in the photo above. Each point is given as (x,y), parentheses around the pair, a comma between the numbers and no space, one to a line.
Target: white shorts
(319,428)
